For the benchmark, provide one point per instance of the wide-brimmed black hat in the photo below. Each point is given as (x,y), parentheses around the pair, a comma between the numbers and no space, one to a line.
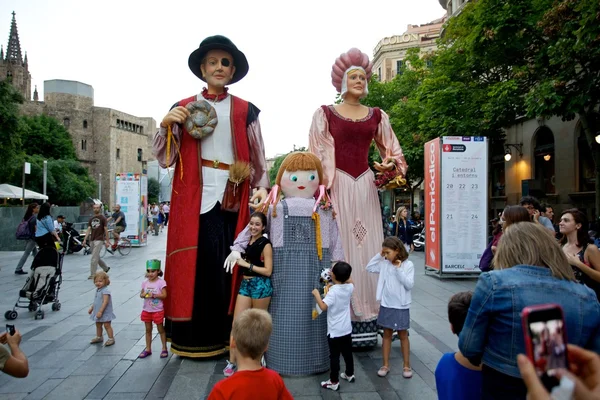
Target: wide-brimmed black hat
(219,42)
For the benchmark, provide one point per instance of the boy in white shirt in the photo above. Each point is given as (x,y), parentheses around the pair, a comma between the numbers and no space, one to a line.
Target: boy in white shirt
(339,327)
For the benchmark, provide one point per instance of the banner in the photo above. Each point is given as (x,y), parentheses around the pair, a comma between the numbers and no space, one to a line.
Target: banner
(129,196)
(464,199)
(432,204)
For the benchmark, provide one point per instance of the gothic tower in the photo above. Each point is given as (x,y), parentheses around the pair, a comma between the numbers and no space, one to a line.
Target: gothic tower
(12,64)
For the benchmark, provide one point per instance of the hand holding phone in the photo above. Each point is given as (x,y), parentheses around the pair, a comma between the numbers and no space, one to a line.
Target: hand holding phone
(10,329)
(545,335)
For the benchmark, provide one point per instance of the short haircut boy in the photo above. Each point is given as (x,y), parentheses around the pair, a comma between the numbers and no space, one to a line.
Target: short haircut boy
(342,271)
(251,332)
(458,307)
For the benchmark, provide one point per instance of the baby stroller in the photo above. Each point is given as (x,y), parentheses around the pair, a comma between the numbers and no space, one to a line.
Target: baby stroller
(72,238)
(42,285)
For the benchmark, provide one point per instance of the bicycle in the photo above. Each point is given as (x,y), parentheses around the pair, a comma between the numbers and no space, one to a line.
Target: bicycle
(124,246)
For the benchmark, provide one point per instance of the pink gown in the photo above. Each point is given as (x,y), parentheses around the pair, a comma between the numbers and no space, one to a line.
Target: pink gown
(342,145)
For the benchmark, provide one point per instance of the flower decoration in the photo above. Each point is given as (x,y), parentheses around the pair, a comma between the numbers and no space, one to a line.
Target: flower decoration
(325,204)
(389,180)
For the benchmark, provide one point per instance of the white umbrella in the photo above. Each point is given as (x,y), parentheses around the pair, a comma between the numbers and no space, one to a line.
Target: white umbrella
(14,192)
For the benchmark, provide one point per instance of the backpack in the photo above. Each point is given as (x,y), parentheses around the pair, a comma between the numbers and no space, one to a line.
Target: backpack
(23,232)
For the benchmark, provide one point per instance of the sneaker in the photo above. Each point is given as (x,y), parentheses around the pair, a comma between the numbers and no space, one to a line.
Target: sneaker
(107,269)
(110,250)
(346,377)
(20,272)
(229,369)
(329,385)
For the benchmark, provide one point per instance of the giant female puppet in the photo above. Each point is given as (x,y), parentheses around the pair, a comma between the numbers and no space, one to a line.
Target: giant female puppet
(214,141)
(340,136)
(305,241)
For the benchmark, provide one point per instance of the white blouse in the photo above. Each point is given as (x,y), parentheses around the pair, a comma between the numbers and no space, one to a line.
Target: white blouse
(395,283)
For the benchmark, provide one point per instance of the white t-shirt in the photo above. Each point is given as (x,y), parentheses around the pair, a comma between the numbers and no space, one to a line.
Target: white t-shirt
(57,226)
(338,310)
(166,209)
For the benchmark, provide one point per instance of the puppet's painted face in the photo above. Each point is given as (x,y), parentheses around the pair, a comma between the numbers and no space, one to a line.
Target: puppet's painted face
(218,68)
(356,83)
(300,183)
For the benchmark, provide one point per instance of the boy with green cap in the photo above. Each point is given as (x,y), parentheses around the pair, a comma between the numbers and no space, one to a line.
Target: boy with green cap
(154,291)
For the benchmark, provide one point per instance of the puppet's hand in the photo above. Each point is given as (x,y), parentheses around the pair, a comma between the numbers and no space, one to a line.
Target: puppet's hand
(231,260)
(177,115)
(260,195)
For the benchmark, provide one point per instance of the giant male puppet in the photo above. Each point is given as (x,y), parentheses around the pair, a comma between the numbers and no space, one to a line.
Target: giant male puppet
(214,140)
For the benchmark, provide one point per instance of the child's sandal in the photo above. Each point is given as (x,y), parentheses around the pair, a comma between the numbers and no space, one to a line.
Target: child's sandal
(383,371)
(109,342)
(407,372)
(145,354)
(97,339)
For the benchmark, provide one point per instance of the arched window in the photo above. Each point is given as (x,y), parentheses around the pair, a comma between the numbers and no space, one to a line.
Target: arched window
(543,156)
(85,124)
(66,122)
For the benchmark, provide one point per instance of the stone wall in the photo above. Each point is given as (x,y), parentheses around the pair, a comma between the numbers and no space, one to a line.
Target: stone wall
(12,216)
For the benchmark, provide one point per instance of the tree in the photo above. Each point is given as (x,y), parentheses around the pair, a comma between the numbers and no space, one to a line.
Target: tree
(45,136)
(10,127)
(275,168)
(565,69)
(153,190)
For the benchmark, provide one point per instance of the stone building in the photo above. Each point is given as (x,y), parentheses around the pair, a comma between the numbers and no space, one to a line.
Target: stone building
(106,141)
(388,55)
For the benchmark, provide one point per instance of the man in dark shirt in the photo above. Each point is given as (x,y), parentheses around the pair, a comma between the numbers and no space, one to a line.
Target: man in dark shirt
(97,232)
(119,218)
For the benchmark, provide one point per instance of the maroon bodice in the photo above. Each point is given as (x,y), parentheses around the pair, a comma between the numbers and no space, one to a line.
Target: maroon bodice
(352,139)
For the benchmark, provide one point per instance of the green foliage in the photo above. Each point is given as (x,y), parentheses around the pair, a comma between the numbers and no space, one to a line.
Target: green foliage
(45,136)
(9,129)
(153,190)
(275,168)
(33,140)
(67,183)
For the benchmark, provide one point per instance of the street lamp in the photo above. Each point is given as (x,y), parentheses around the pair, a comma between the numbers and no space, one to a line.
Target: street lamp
(598,138)
(547,157)
(507,151)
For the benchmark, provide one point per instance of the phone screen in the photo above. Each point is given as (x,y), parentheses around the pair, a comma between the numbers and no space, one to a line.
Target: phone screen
(548,344)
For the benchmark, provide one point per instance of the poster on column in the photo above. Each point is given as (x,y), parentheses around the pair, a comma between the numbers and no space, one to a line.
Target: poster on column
(129,195)
(464,173)
(432,204)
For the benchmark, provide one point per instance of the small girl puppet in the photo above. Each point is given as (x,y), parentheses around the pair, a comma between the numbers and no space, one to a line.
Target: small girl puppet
(154,291)
(305,240)
(101,311)
(396,280)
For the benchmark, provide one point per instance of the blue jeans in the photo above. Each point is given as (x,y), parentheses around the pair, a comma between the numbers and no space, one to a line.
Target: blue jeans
(30,246)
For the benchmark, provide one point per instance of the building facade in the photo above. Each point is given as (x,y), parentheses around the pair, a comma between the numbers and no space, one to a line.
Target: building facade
(389,54)
(106,141)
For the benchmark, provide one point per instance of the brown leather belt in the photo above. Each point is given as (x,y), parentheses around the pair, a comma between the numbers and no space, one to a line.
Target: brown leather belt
(216,164)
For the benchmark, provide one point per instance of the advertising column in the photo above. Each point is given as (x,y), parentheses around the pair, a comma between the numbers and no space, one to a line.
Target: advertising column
(432,205)
(129,196)
(464,176)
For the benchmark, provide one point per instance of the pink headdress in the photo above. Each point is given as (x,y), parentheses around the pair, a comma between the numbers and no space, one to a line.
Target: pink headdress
(354,57)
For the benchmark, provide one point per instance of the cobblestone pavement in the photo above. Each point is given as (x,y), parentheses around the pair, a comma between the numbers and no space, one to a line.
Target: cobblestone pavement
(63,365)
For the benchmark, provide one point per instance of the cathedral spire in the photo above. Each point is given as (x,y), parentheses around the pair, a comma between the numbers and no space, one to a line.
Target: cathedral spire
(13,51)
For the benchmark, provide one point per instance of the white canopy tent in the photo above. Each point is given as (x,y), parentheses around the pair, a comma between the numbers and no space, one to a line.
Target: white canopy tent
(14,192)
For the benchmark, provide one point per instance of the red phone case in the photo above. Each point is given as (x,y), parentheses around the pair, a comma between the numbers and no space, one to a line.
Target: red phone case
(524,322)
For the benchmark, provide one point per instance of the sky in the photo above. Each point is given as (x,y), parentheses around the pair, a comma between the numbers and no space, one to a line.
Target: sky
(134,53)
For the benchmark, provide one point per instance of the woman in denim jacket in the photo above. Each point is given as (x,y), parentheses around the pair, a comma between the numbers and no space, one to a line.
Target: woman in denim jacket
(530,268)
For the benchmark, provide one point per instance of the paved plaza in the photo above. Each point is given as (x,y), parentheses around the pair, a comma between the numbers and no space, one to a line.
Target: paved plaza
(63,365)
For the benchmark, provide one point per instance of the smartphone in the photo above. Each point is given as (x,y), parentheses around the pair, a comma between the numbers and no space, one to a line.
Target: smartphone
(10,329)
(545,335)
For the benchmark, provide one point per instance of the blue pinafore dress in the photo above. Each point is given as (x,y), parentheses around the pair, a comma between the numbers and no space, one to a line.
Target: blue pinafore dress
(298,344)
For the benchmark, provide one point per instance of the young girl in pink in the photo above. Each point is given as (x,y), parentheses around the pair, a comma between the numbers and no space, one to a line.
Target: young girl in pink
(154,291)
